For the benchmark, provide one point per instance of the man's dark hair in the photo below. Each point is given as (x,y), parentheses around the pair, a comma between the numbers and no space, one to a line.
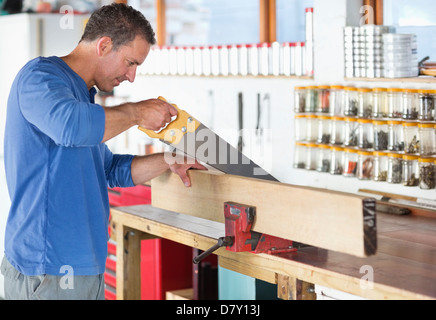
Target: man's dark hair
(121,23)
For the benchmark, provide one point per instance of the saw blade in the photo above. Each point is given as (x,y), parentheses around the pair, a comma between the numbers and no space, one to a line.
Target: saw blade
(192,138)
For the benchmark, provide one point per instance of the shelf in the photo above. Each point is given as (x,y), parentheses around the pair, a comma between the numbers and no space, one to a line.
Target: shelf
(230,76)
(420,79)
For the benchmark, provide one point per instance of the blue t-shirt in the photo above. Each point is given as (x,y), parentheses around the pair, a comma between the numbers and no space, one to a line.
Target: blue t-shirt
(58,172)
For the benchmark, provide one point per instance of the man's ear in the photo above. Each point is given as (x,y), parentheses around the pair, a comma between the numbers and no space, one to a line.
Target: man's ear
(104,46)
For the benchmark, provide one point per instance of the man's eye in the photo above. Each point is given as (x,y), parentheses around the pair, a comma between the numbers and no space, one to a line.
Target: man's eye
(130,63)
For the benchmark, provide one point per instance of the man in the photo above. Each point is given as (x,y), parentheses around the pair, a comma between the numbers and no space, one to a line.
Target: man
(58,167)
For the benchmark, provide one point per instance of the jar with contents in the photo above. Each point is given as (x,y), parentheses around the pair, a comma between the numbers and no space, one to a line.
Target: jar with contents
(300,155)
(380,135)
(324,130)
(410,104)
(395,102)
(380,103)
(323,102)
(300,127)
(337,130)
(410,171)
(323,158)
(365,165)
(427,141)
(395,168)
(337,160)
(311,153)
(311,128)
(366,135)
(350,100)
(380,166)
(299,99)
(411,140)
(311,99)
(364,98)
(426,104)
(395,136)
(337,101)
(427,173)
(351,132)
(350,162)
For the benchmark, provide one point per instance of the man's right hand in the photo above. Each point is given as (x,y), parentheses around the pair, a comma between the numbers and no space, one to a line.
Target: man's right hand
(154,114)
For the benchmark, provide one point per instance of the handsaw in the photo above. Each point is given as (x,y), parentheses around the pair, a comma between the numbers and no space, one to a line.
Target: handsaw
(191,137)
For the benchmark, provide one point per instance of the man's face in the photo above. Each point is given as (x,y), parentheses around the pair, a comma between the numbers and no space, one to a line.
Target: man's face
(119,65)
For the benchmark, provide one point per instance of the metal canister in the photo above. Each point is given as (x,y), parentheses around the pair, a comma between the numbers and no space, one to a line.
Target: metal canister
(264,55)
(224,60)
(309,25)
(189,63)
(243,59)
(285,59)
(233,60)
(253,60)
(275,62)
(205,60)
(299,58)
(215,60)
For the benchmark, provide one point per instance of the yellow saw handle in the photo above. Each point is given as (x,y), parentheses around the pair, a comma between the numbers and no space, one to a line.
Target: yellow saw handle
(176,129)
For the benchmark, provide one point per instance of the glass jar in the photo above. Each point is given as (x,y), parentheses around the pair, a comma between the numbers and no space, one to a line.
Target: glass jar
(380,102)
(311,99)
(365,165)
(300,127)
(336,162)
(311,153)
(336,100)
(366,135)
(323,158)
(427,173)
(364,98)
(311,128)
(323,102)
(350,162)
(337,130)
(351,132)
(411,140)
(323,129)
(380,166)
(395,102)
(410,170)
(395,135)
(426,104)
(410,104)
(380,135)
(427,141)
(350,100)
(300,155)
(299,99)
(395,168)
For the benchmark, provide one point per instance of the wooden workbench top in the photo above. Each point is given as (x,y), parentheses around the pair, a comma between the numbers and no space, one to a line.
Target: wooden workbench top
(404,266)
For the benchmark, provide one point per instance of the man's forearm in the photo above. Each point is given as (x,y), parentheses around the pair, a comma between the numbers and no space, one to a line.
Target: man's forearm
(145,168)
(118,120)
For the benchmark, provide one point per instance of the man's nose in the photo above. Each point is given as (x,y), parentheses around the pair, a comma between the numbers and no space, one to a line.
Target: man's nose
(131,74)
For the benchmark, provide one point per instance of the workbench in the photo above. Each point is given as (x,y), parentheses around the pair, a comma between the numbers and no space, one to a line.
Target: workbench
(404,266)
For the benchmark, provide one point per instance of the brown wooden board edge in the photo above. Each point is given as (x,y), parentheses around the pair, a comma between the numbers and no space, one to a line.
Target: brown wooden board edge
(369,226)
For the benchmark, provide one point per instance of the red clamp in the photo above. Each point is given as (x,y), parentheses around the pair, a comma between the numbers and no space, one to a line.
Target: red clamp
(239,220)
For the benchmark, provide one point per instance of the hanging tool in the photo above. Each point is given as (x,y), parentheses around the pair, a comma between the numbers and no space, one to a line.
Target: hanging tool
(191,137)
(239,237)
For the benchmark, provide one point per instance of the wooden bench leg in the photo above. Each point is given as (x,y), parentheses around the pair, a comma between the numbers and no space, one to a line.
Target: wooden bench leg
(289,288)
(128,273)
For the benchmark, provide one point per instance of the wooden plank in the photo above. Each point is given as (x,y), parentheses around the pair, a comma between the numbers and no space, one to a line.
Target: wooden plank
(326,219)
(395,275)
